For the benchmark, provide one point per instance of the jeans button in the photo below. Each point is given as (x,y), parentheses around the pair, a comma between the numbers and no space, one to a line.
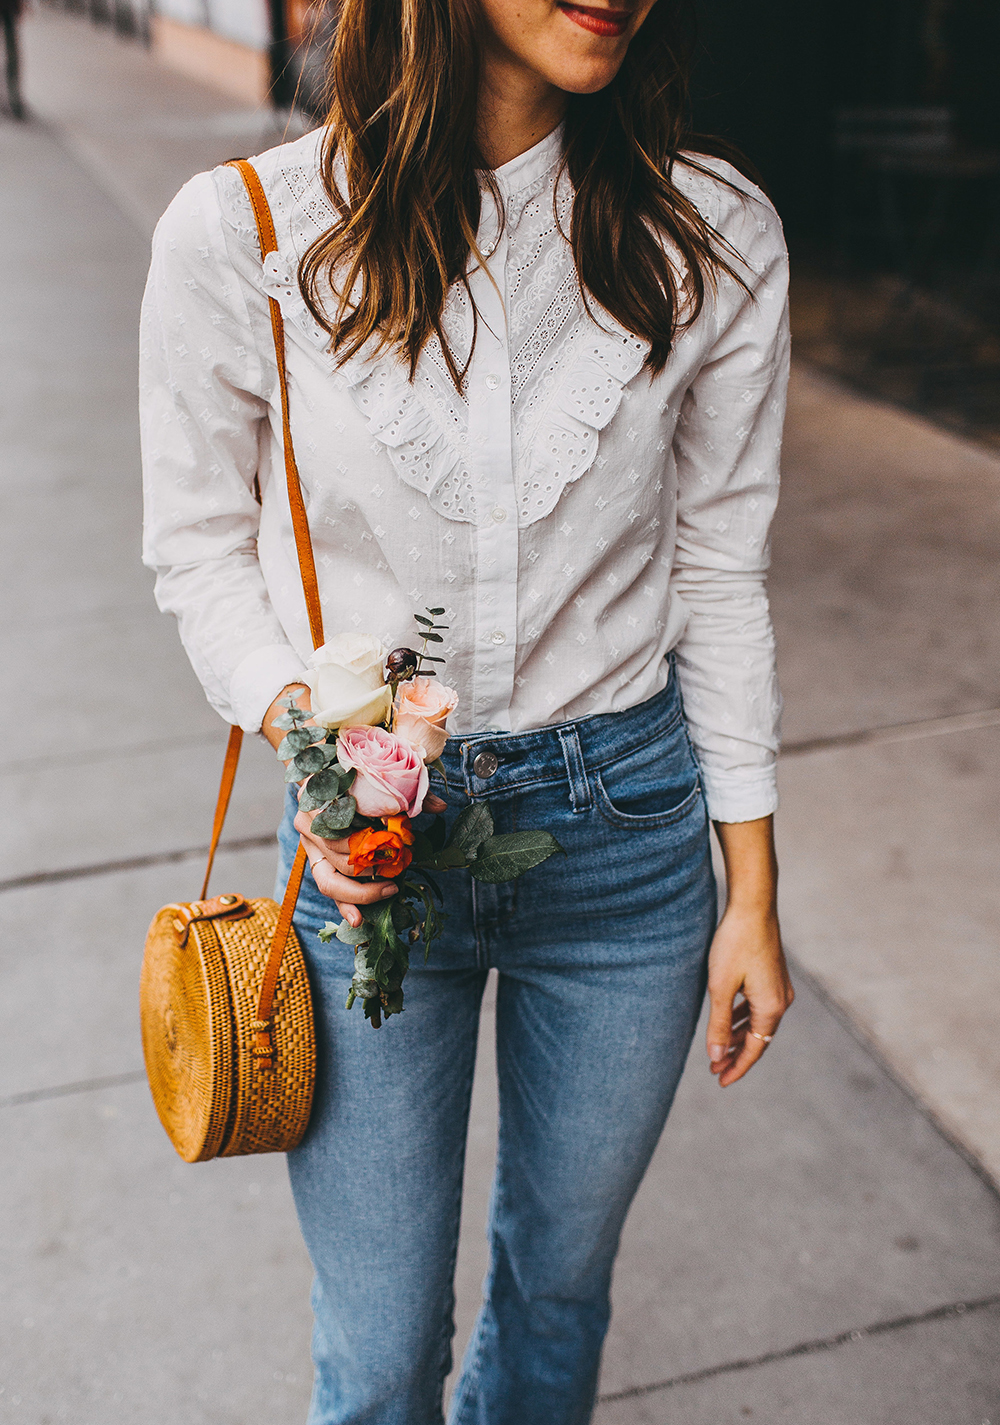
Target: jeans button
(486,764)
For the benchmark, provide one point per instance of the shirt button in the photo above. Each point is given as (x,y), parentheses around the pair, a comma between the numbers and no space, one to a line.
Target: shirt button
(486,764)
(492,382)
(499,514)
(498,636)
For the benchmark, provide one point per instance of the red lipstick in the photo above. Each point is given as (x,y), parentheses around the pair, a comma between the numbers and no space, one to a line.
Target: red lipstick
(610,23)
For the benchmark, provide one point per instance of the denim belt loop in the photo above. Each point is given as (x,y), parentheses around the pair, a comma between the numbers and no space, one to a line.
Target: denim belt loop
(576,771)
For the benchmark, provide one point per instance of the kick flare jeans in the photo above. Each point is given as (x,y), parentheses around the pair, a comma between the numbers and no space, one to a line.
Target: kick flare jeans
(601,959)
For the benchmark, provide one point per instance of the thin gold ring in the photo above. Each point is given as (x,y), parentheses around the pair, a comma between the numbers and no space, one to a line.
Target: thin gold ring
(764,1038)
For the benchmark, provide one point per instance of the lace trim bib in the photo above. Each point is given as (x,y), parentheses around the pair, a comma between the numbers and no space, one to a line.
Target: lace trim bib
(568,369)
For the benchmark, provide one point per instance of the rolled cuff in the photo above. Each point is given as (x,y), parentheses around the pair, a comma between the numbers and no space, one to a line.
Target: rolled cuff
(740,796)
(259,679)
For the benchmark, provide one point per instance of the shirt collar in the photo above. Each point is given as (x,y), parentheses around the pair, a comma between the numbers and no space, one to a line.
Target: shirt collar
(535,163)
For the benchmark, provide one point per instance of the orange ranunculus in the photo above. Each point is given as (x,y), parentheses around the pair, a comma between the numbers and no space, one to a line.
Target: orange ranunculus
(386,852)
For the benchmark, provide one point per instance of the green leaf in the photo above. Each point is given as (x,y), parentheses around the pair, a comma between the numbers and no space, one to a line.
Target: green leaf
(314,759)
(427,658)
(349,934)
(308,802)
(437,833)
(503,858)
(473,825)
(449,858)
(332,823)
(433,638)
(324,785)
(299,739)
(328,932)
(436,612)
(427,622)
(284,722)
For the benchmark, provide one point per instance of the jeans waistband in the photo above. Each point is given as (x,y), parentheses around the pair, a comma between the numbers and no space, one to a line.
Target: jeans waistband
(490,764)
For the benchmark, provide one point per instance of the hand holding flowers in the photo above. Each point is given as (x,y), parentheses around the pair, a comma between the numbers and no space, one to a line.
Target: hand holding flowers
(362,760)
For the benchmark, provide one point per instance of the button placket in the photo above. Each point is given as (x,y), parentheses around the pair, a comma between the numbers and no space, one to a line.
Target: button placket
(491,446)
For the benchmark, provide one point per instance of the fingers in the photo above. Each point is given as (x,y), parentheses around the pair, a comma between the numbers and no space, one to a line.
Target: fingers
(346,891)
(751,1030)
(720,1028)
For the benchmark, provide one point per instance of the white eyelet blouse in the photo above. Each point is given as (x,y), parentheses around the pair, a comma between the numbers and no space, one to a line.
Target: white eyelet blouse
(577,519)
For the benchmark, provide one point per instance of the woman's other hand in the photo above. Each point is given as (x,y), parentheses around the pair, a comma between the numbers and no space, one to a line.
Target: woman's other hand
(746,957)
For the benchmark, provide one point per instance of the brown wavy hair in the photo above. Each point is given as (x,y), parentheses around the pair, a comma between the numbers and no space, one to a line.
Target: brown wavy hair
(404,88)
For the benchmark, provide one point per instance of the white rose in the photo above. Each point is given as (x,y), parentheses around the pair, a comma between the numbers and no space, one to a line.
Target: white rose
(347,682)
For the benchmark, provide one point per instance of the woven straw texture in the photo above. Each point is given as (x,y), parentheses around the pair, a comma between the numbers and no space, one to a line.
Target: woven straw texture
(198,1004)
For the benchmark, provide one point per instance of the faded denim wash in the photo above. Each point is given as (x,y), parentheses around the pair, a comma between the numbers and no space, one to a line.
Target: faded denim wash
(601,956)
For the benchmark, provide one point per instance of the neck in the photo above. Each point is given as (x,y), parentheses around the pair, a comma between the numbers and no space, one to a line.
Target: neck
(517,108)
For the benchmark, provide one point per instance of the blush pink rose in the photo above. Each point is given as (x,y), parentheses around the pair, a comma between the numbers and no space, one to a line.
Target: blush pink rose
(392,779)
(422,709)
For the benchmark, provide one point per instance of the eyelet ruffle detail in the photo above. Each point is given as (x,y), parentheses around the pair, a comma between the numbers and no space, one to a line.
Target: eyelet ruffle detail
(424,453)
(281,281)
(564,446)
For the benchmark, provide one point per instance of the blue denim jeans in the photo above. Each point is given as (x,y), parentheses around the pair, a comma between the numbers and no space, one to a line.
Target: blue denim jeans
(601,957)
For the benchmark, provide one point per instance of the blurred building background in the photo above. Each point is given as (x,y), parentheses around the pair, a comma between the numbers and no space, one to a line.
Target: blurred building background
(877,128)
(874,123)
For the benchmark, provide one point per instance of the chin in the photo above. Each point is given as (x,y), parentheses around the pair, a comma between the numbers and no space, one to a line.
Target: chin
(584,77)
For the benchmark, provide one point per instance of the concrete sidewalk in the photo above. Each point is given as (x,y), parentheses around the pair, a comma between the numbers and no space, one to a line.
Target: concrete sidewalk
(807,1248)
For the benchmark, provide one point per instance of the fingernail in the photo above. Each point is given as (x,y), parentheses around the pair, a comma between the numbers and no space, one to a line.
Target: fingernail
(388,891)
(716,1051)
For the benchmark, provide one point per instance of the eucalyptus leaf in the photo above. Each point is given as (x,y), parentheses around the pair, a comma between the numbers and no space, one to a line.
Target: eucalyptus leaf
(314,759)
(284,723)
(333,822)
(299,739)
(324,785)
(351,934)
(433,637)
(473,825)
(427,622)
(436,612)
(309,802)
(504,857)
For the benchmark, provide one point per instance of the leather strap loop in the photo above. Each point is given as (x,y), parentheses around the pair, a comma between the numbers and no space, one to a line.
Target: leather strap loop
(264,1043)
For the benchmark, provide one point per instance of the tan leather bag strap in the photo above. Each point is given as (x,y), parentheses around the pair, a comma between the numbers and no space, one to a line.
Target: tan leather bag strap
(300,523)
(263,1046)
(222,805)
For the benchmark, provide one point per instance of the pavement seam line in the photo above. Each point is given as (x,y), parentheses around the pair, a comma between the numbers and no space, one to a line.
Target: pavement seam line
(896,732)
(109,1081)
(133,863)
(806,1348)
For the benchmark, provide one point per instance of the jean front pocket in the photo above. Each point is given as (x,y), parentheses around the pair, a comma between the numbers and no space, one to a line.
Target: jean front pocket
(656,784)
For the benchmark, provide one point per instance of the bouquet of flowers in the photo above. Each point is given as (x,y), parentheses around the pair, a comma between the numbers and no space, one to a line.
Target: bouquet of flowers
(362,754)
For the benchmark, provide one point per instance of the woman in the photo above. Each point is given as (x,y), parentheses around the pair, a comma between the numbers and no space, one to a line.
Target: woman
(537,365)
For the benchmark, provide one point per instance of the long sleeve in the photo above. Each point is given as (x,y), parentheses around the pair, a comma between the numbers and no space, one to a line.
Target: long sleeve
(205,432)
(727,448)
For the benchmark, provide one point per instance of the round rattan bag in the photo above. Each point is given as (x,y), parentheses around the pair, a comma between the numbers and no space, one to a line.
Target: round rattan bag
(225,1080)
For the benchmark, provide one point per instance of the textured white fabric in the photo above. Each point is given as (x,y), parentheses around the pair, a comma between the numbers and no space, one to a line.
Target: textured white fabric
(577,519)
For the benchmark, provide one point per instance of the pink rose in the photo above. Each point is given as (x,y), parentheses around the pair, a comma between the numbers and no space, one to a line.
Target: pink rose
(392,779)
(422,708)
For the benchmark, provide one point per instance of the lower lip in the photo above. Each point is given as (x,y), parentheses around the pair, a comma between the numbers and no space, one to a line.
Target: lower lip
(598,22)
